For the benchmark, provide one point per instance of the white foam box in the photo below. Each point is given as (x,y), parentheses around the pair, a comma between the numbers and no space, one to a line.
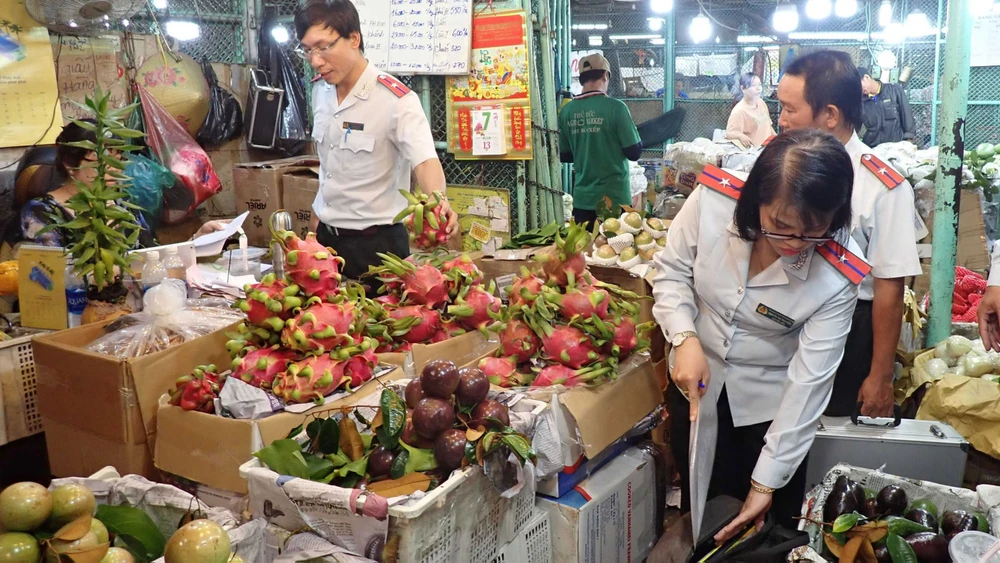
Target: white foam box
(609,517)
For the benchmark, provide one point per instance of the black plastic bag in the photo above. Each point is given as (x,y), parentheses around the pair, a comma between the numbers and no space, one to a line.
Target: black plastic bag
(293,126)
(225,116)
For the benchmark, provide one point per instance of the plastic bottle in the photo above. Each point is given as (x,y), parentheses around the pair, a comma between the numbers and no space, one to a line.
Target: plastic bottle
(175,265)
(76,296)
(153,272)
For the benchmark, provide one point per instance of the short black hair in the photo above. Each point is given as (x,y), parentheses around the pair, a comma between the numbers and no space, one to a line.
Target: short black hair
(808,169)
(863,72)
(338,15)
(589,75)
(744,81)
(831,80)
(70,157)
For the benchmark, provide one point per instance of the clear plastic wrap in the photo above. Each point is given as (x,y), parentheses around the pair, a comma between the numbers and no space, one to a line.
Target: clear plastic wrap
(168,318)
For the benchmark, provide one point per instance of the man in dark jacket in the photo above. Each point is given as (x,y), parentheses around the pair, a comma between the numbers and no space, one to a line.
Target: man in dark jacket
(885,112)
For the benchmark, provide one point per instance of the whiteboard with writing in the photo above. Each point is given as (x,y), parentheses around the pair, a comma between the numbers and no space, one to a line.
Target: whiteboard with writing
(985,30)
(417,36)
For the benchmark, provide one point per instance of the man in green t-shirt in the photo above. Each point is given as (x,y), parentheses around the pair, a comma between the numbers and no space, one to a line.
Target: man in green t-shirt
(597,135)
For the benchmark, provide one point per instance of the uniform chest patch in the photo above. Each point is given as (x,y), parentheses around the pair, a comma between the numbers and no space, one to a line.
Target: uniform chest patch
(770,313)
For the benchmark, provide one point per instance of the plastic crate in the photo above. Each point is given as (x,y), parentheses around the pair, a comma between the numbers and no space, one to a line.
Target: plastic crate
(19,416)
(532,544)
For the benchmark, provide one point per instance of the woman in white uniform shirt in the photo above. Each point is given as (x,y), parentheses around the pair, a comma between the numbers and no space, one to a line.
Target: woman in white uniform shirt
(756,293)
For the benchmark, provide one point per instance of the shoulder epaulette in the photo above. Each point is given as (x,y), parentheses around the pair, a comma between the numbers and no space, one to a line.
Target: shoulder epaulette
(719,180)
(885,173)
(846,262)
(768,140)
(393,84)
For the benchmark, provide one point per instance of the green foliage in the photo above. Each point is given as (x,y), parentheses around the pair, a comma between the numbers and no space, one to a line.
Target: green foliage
(102,232)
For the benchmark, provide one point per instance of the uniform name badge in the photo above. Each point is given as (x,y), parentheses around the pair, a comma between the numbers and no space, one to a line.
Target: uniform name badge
(781,319)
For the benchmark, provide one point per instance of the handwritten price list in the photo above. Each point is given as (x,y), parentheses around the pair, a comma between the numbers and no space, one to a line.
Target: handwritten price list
(417,36)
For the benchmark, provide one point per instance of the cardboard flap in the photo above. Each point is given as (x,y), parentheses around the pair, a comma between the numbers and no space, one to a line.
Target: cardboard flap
(604,414)
(460,349)
(306,161)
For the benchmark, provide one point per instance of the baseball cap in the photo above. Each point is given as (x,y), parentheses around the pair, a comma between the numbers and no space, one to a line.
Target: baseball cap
(595,61)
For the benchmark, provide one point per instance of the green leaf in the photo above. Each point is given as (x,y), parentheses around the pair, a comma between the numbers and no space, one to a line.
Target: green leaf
(899,550)
(318,467)
(418,459)
(357,467)
(328,439)
(845,522)
(386,439)
(312,429)
(398,468)
(339,459)
(393,414)
(88,145)
(520,445)
(281,458)
(136,528)
(127,133)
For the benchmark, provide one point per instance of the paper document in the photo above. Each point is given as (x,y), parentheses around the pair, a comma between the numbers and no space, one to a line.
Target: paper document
(212,243)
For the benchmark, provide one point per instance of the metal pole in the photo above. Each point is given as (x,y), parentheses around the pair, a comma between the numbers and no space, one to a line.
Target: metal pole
(937,71)
(669,52)
(951,132)
(522,198)
(425,96)
(547,89)
(567,84)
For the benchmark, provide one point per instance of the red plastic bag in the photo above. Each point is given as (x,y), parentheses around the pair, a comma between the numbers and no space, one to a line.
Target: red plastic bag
(171,143)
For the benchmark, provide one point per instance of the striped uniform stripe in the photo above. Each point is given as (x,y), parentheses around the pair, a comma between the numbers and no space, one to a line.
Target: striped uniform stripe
(845,261)
(768,140)
(394,86)
(721,181)
(885,173)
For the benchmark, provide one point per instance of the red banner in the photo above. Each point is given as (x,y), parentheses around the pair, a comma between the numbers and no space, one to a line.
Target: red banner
(465,130)
(517,133)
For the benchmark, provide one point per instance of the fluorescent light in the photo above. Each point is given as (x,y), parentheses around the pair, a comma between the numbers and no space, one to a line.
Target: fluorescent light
(125,22)
(980,7)
(661,6)
(655,24)
(701,28)
(183,30)
(756,39)
(765,47)
(885,13)
(280,33)
(828,35)
(590,26)
(657,41)
(918,25)
(595,40)
(160,4)
(785,18)
(72,23)
(845,8)
(818,9)
(633,37)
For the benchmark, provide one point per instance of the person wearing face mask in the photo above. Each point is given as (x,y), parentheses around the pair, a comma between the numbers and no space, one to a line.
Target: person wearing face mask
(750,121)
(370,132)
(821,90)
(755,291)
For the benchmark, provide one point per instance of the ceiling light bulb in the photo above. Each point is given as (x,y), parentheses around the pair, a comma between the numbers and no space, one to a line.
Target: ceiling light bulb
(183,30)
(894,33)
(885,13)
(655,24)
(595,40)
(917,24)
(845,8)
(280,33)
(886,60)
(701,28)
(818,9)
(160,4)
(661,6)
(785,18)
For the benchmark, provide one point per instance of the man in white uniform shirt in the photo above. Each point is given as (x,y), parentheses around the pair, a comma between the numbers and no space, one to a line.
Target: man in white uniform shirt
(821,90)
(370,132)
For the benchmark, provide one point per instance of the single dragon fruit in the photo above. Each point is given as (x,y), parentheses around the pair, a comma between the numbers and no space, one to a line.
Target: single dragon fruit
(430,322)
(568,345)
(310,379)
(320,327)
(260,366)
(517,339)
(580,301)
(525,289)
(461,272)
(269,303)
(247,335)
(558,374)
(500,371)
(424,219)
(310,265)
(360,369)
(197,391)
(422,284)
(475,307)
(565,257)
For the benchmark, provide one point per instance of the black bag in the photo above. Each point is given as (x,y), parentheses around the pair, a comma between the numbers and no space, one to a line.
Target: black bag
(770,545)
(225,117)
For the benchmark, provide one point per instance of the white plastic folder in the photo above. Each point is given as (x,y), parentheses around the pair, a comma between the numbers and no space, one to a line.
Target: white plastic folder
(701,459)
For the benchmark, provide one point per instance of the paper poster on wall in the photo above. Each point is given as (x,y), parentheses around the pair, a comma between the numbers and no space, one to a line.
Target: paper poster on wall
(498,78)
(488,135)
(29,97)
(483,216)
(84,63)
(417,36)
(985,30)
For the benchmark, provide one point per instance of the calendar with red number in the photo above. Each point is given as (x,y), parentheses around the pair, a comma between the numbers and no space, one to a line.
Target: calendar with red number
(29,98)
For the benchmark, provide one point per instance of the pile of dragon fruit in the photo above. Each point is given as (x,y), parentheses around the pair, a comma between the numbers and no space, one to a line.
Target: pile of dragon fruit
(563,326)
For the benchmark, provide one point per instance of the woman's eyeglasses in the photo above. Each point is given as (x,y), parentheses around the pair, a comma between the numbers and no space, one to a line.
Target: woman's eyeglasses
(776,236)
(306,54)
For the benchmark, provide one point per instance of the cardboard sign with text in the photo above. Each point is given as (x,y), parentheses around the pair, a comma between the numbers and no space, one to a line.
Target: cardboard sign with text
(298,193)
(82,65)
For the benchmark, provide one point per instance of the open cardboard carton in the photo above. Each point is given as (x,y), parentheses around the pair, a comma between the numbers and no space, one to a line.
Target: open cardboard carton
(98,408)
(209,449)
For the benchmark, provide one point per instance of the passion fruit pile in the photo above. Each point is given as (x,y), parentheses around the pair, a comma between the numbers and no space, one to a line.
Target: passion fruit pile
(57,526)
(889,527)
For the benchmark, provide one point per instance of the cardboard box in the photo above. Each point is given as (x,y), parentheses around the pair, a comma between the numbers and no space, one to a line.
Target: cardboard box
(77,453)
(299,192)
(641,286)
(258,188)
(209,449)
(563,482)
(462,349)
(107,398)
(611,516)
(971,251)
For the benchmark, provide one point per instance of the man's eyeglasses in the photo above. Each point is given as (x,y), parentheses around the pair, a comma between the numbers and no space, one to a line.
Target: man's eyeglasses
(775,236)
(306,54)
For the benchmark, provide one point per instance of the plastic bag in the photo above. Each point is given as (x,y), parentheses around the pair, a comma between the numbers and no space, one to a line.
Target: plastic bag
(225,116)
(168,318)
(149,180)
(180,153)
(293,130)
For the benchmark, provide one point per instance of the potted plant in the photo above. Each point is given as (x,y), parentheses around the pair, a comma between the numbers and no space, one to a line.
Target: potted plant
(103,228)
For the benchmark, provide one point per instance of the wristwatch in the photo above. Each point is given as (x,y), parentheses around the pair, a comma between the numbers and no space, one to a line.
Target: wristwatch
(680,337)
